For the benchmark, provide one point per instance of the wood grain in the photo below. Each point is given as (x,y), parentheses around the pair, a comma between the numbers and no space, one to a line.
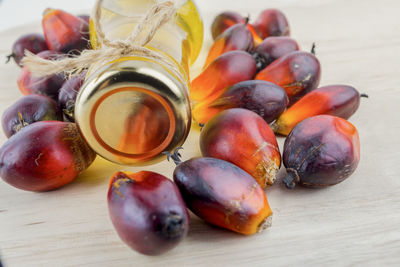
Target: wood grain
(353,223)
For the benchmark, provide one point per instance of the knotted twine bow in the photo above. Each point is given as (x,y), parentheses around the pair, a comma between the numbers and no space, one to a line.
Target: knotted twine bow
(110,50)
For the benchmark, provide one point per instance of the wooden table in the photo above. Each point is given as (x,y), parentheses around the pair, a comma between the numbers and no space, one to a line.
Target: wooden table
(354,223)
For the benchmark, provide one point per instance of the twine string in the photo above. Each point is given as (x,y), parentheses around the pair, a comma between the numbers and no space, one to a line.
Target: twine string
(109,50)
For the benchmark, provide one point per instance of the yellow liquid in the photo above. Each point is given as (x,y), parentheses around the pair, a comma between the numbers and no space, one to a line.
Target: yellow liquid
(180,40)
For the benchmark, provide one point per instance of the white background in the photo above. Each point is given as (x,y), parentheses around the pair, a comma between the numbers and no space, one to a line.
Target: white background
(18,12)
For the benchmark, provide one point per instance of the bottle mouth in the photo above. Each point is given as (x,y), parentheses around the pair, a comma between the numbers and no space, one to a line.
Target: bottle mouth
(131,111)
(133,123)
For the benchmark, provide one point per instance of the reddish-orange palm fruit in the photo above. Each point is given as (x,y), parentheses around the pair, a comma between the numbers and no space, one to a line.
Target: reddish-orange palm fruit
(321,151)
(226,70)
(237,37)
(273,48)
(272,22)
(224,21)
(338,100)
(147,211)
(48,86)
(44,156)
(297,72)
(264,98)
(223,194)
(243,138)
(256,37)
(64,32)
(227,19)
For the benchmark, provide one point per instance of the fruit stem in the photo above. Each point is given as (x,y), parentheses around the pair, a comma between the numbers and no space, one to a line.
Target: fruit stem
(274,127)
(69,109)
(47,11)
(247,20)
(12,55)
(291,178)
(265,224)
(364,95)
(176,156)
(313,49)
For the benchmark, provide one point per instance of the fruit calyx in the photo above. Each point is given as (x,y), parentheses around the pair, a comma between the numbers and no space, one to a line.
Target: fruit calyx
(175,156)
(291,178)
(265,224)
(174,226)
(261,62)
(21,123)
(47,11)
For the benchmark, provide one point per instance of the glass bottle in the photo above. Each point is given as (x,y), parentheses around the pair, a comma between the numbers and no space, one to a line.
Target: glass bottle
(134,108)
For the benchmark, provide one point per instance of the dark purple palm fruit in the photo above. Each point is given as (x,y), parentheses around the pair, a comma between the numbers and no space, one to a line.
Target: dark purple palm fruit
(32,42)
(48,85)
(68,93)
(27,110)
(273,48)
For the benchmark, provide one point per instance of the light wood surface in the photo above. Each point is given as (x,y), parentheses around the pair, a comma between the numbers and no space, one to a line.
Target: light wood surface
(354,223)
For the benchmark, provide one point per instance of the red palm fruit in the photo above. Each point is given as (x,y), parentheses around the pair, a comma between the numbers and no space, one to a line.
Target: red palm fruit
(64,32)
(68,93)
(147,211)
(297,72)
(223,194)
(237,37)
(273,48)
(338,100)
(44,156)
(243,138)
(264,98)
(272,22)
(321,151)
(226,70)
(32,42)
(224,21)
(27,110)
(48,86)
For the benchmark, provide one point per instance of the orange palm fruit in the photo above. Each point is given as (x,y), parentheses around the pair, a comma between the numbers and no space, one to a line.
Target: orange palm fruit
(264,98)
(226,70)
(223,21)
(297,72)
(223,194)
(338,100)
(256,37)
(245,139)
(64,32)
(237,37)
